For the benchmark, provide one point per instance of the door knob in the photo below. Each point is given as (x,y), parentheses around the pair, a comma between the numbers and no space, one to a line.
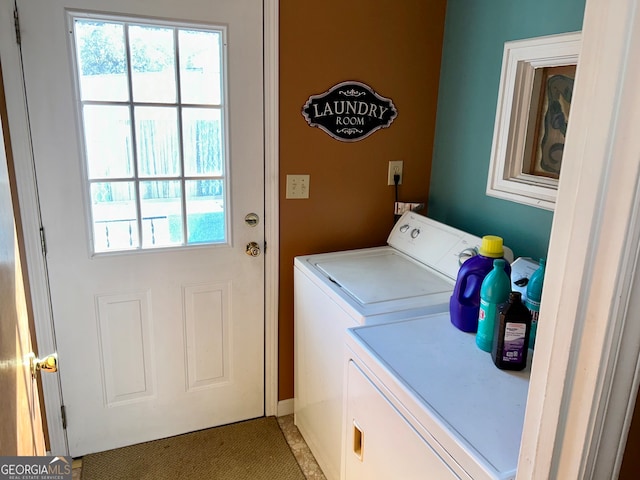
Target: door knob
(253,249)
(47,364)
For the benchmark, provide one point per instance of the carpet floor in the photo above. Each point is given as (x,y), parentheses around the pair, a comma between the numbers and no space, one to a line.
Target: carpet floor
(251,450)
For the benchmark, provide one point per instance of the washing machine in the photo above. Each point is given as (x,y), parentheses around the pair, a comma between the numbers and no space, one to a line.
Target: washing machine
(413,275)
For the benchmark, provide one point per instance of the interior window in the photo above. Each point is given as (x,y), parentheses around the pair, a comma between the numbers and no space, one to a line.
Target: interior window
(153,121)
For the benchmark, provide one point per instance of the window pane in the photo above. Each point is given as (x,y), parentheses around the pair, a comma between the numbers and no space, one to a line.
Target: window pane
(205,211)
(113,207)
(200,79)
(202,131)
(152,64)
(161,209)
(157,141)
(155,155)
(107,136)
(101,61)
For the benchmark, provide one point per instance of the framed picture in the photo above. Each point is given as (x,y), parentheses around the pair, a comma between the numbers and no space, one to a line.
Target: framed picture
(534,102)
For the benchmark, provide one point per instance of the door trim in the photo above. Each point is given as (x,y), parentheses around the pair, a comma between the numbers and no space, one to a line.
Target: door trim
(30,213)
(271,204)
(585,368)
(30,217)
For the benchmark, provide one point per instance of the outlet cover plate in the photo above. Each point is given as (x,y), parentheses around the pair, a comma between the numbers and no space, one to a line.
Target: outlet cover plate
(395,166)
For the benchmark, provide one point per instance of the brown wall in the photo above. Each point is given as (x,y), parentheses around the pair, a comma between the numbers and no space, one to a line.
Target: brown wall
(630,468)
(395,48)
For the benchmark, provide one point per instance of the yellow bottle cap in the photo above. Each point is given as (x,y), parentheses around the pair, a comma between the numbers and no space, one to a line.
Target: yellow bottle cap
(491,246)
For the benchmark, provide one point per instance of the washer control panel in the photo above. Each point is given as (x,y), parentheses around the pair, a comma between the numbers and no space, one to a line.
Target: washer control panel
(435,244)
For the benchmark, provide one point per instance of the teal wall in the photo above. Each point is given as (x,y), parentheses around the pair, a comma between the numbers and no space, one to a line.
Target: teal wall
(475,32)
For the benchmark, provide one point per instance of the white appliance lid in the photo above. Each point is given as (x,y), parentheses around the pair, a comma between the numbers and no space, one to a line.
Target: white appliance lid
(382,275)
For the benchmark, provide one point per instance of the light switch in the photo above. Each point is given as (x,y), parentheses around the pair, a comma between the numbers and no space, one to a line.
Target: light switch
(297,186)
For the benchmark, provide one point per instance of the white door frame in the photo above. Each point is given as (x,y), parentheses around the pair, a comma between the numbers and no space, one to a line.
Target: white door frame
(30,213)
(272,204)
(584,377)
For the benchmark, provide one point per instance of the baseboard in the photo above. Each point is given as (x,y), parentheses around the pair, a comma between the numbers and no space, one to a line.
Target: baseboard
(285,407)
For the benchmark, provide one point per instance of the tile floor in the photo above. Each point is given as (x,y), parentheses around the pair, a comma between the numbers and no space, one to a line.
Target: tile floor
(300,450)
(298,446)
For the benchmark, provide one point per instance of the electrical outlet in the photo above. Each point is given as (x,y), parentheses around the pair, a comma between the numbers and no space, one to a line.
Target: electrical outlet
(395,168)
(297,186)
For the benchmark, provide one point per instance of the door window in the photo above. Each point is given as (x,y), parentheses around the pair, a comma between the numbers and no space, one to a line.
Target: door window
(153,120)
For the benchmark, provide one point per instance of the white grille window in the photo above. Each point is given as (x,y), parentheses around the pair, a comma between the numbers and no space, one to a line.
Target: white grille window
(153,120)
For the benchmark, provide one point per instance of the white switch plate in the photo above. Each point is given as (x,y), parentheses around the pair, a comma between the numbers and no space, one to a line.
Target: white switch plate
(297,186)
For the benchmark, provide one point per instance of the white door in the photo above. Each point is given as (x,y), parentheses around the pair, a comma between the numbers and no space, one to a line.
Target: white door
(21,432)
(147,133)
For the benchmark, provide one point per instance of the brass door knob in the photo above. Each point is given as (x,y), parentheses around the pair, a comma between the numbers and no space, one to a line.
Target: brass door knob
(47,364)
(253,249)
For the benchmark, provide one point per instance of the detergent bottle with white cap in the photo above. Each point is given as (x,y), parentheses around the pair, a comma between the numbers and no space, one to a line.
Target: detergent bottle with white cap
(464,306)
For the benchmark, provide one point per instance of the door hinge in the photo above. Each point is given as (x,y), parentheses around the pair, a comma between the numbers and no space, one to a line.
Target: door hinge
(16,23)
(265,246)
(63,413)
(43,242)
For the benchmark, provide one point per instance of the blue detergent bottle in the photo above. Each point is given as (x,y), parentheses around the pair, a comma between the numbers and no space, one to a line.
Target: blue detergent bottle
(495,290)
(464,306)
(534,295)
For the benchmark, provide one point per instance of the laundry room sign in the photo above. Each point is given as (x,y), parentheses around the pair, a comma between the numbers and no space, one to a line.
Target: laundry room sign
(349,111)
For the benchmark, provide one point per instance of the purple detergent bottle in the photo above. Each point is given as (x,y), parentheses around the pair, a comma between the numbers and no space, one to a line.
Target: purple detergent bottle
(464,305)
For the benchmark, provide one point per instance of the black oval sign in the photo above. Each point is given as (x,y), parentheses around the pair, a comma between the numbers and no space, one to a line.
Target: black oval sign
(349,111)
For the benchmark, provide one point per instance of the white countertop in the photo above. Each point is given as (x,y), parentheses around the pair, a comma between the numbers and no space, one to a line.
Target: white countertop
(476,407)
